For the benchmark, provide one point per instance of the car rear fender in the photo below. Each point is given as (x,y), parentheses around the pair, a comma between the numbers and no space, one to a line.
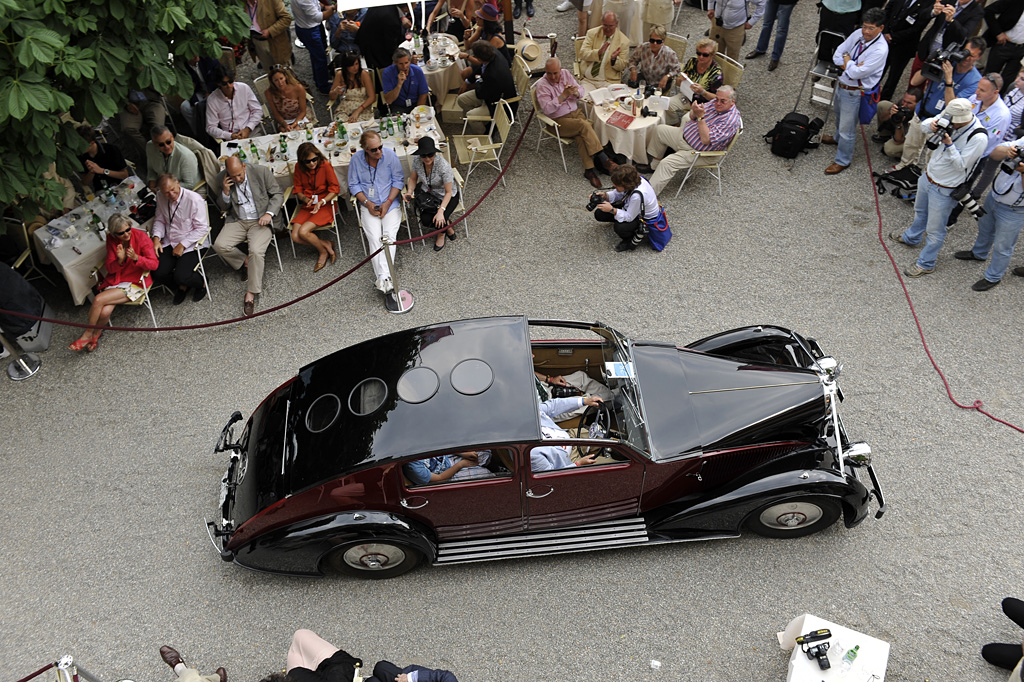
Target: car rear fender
(764,343)
(728,511)
(300,548)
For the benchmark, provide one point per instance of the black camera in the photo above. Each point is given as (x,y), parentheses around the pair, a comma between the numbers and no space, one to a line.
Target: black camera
(1009,164)
(902,115)
(565,392)
(595,199)
(645,112)
(718,21)
(820,650)
(944,123)
(932,68)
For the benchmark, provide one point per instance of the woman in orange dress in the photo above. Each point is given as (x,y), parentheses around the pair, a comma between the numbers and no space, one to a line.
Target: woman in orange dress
(316,186)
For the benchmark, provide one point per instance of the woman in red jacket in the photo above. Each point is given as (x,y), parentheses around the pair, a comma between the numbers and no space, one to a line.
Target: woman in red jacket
(130,257)
(316,188)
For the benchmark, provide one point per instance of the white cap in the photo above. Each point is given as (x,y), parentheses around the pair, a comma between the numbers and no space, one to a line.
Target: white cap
(959,110)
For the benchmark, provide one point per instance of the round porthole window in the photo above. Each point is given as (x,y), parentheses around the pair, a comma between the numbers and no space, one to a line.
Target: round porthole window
(418,385)
(472,377)
(323,412)
(367,396)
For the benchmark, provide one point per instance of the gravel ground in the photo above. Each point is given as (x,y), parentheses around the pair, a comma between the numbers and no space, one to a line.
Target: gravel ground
(109,470)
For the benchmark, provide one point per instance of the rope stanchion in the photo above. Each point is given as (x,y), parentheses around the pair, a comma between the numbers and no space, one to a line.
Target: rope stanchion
(314,292)
(977,405)
(37,673)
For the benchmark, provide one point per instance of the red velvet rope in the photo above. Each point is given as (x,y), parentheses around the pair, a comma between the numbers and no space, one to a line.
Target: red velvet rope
(37,673)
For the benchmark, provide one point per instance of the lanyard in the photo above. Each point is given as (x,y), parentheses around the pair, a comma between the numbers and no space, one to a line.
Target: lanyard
(170,216)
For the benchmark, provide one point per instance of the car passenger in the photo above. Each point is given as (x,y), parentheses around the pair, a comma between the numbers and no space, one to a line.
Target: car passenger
(457,467)
(550,457)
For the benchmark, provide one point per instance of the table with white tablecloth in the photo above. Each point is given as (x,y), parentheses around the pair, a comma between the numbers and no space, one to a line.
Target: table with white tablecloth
(632,141)
(443,72)
(74,244)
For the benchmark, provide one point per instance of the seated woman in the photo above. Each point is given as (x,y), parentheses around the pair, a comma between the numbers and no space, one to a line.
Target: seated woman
(343,28)
(353,89)
(704,72)
(431,186)
(130,256)
(458,467)
(316,186)
(487,29)
(654,62)
(286,100)
(640,216)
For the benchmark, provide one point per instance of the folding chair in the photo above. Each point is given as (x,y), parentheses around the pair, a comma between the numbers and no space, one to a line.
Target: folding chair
(333,226)
(549,127)
(261,83)
(577,46)
(461,185)
(359,221)
(678,44)
(732,70)
(486,153)
(521,77)
(144,300)
(21,237)
(711,162)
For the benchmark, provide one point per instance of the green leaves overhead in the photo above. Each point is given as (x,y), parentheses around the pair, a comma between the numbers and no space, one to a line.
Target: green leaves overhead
(82,57)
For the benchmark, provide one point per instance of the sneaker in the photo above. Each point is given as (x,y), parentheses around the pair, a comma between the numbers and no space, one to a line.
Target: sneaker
(564,7)
(966,255)
(898,237)
(384,285)
(916,270)
(983,284)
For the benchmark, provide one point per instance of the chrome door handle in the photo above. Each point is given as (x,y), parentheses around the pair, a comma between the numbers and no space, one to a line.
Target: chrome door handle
(405,503)
(530,493)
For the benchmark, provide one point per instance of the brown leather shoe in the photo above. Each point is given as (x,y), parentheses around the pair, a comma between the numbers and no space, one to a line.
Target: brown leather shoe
(773,64)
(828,139)
(170,655)
(248,307)
(222,674)
(591,174)
(834,169)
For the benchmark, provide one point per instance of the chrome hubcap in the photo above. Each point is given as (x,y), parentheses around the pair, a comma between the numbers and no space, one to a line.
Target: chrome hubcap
(791,515)
(374,556)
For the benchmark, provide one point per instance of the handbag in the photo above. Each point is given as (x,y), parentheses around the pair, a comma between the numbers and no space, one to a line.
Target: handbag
(869,104)
(426,202)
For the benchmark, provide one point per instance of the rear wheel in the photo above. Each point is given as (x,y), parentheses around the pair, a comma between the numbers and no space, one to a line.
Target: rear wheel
(795,518)
(376,559)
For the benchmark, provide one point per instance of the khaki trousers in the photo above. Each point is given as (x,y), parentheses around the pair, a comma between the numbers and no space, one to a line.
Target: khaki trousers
(731,39)
(576,124)
(665,137)
(262,50)
(258,238)
(192,675)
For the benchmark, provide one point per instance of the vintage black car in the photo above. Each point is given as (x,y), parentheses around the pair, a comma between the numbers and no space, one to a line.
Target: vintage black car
(738,431)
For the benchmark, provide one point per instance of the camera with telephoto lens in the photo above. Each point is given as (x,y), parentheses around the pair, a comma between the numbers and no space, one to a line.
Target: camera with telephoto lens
(820,650)
(944,123)
(971,205)
(1009,164)
(565,392)
(595,199)
(932,69)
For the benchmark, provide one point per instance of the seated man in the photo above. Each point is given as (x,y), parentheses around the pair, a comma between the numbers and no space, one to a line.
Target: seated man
(709,128)
(103,164)
(654,62)
(232,110)
(185,674)
(558,94)
(165,157)
(181,222)
(604,54)
(460,467)
(548,385)
(143,110)
(495,82)
(404,84)
(253,198)
(894,122)
(546,458)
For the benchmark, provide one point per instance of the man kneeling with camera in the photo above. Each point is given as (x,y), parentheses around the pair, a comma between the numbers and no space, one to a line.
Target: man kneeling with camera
(894,121)
(633,209)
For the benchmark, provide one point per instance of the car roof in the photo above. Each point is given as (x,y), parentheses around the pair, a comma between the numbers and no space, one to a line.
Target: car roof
(428,389)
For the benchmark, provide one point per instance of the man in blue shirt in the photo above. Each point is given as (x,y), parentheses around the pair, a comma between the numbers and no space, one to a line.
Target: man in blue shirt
(459,467)
(958,81)
(549,457)
(375,179)
(404,84)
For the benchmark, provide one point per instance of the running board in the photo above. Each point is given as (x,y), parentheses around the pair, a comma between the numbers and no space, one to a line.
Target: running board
(602,535)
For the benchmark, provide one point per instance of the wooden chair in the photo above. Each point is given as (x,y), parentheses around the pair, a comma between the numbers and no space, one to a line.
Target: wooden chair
(678,44)
(732,70)
(549,127)
(486,153)
(577,46)
(711,162)
(17,231)
(144,300)
(262,83)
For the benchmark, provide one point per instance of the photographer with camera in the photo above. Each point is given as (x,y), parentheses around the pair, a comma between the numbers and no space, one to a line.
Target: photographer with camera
(960,140)
(949,75)
(999,228)
(633,210)
(954,22)
(894,121)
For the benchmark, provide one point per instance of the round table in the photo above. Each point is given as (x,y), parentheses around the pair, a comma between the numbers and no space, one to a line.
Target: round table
(632,141)
(442,79)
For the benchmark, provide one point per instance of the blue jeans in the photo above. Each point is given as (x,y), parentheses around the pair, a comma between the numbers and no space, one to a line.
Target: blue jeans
(998,230)
(772,11)
(847,110)
(931,211)
(310,38)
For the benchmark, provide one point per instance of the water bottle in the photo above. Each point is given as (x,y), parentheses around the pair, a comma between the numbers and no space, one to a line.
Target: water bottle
(309,134)
(849,658)
(343,134)
(383,130)
(241,154)
(391,127)
(252,150)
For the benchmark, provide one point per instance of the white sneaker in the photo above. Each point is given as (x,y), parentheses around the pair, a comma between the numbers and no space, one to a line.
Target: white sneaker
(565,6)
(384,285)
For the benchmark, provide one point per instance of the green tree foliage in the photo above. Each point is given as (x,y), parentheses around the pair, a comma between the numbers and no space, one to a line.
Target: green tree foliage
(82,57)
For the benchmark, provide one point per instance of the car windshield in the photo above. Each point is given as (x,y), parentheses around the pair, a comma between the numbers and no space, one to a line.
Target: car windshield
(621,377)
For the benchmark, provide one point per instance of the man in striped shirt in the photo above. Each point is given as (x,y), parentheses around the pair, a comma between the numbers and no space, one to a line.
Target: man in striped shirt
(710,129)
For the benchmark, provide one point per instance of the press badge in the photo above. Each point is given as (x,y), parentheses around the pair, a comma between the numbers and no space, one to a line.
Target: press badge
(370,191)
(408,102)
(911,19)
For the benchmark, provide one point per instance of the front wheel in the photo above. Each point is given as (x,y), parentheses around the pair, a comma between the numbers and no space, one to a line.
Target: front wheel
(376,559)
(795,518)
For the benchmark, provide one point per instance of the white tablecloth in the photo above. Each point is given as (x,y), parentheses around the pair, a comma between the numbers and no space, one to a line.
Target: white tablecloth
(872,657)
(440,79)
(77,266)
(632,142)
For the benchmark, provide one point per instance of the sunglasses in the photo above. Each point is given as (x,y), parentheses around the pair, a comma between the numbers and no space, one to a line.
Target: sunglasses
(427,156)
(312,159)
(657,41)
(224,84)
(122,232)
(703,54)
(166,143)
(374,149)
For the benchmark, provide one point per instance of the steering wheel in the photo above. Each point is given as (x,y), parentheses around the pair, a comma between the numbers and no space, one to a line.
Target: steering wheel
(603,418)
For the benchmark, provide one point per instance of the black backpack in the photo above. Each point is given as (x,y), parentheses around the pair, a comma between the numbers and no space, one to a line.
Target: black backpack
(793,134)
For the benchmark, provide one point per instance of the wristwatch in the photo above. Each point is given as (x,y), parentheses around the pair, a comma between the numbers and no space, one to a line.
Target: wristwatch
(106,171)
